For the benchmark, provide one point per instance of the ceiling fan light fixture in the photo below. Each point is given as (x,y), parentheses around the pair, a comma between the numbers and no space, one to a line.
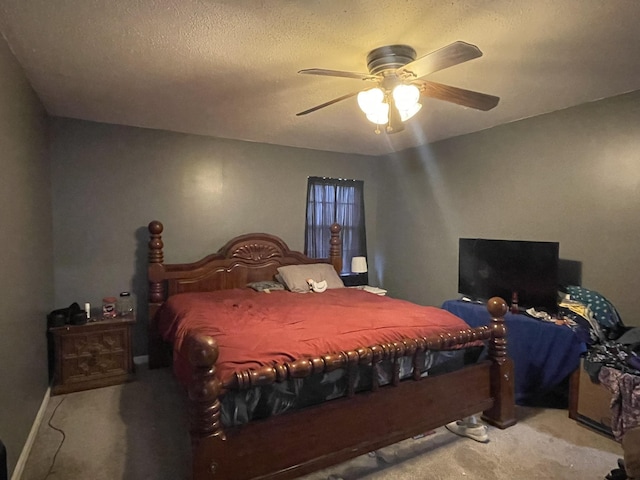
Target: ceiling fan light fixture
(407,114)
(379,116)
(370,100)
(406,96)
(399,73)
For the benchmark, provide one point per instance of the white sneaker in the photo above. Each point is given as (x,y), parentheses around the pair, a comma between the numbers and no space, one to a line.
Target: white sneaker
(477,432)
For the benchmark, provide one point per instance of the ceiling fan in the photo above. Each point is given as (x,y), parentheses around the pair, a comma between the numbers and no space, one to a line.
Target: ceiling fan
(398,76)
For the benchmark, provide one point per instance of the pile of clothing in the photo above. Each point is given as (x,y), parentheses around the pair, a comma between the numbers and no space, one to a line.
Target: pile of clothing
(613,360)
(598,324)
(594,317)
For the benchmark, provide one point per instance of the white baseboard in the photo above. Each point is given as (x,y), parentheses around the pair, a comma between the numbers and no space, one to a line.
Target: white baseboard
(26,450)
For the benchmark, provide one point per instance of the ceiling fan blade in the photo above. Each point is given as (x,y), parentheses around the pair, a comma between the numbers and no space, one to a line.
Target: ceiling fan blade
(326,104)
(339,73)
(453,54)
(466,98)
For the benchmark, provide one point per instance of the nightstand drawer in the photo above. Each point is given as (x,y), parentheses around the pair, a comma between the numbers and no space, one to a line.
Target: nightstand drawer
(93,355)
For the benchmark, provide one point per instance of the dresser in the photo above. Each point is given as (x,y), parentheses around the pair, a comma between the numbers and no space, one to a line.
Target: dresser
(96,354)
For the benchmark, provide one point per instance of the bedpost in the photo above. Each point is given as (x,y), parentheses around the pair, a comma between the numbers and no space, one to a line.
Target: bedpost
(156,257)
(204,392)
(158,355)
(335,250)
(502,413)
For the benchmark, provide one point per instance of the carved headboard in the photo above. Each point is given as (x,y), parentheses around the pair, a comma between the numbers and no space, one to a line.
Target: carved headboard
(244,259)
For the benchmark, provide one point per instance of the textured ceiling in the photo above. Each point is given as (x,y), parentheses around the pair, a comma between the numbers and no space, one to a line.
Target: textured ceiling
(229,68)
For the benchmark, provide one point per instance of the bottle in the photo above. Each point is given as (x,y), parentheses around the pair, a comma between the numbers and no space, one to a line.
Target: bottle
(109,307)
(125,304)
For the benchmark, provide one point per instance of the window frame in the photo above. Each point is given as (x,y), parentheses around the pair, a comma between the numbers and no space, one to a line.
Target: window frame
(335,200)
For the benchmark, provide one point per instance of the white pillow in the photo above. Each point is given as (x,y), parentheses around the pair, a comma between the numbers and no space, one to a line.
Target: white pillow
(295,276)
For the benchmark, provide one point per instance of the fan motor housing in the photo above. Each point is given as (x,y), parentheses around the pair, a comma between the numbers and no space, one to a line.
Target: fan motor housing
(389,57)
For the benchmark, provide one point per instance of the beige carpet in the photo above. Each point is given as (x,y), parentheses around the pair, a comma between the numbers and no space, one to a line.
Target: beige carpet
(128,432)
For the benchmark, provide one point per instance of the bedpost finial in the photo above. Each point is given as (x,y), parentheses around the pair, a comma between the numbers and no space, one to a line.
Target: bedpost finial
(497,307)
(335,228)
(155,242)
(156,227)
(203,351)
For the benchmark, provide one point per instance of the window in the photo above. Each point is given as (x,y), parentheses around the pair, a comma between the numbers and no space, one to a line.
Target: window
(332,200)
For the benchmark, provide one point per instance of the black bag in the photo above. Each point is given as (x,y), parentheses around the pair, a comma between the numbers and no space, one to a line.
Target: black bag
(72,315)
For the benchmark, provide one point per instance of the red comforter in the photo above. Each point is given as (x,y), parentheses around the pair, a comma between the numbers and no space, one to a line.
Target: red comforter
(254,329)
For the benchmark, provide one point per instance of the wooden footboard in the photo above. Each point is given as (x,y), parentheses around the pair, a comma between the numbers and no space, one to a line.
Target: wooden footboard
(295,443)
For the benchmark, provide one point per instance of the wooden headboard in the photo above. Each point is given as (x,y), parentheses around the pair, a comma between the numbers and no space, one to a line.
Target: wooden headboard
(247,258)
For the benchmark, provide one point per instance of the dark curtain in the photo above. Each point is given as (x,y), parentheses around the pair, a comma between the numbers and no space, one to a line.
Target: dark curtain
(331,200)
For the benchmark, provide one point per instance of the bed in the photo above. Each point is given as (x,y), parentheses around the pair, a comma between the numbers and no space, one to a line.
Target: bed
(368,414)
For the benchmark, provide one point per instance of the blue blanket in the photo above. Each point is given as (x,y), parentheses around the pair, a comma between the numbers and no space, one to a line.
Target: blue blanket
(543,353)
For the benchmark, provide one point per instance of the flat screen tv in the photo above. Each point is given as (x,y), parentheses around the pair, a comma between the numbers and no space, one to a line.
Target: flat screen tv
(490,268)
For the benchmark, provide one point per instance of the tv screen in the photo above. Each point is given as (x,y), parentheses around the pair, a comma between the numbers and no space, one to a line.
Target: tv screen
(497,268)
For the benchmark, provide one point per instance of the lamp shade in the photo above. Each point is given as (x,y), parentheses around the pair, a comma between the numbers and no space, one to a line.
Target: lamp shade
(369,100)
(407,114)
(406,96)
(380,116)
(359,264)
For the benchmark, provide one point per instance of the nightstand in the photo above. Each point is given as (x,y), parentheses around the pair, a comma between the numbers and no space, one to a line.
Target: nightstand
(96,354)
(355,279)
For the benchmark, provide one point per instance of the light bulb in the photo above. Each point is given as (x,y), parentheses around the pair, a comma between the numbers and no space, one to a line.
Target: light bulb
(406,96)
(369,100)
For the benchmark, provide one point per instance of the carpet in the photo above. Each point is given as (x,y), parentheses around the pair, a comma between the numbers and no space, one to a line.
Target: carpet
(138,431)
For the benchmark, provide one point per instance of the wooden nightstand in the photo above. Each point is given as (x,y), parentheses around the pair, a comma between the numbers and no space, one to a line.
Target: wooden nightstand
(93,355)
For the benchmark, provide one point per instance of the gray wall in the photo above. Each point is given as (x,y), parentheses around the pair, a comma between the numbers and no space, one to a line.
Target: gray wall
(109,182)
(571,176)
(26,282)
